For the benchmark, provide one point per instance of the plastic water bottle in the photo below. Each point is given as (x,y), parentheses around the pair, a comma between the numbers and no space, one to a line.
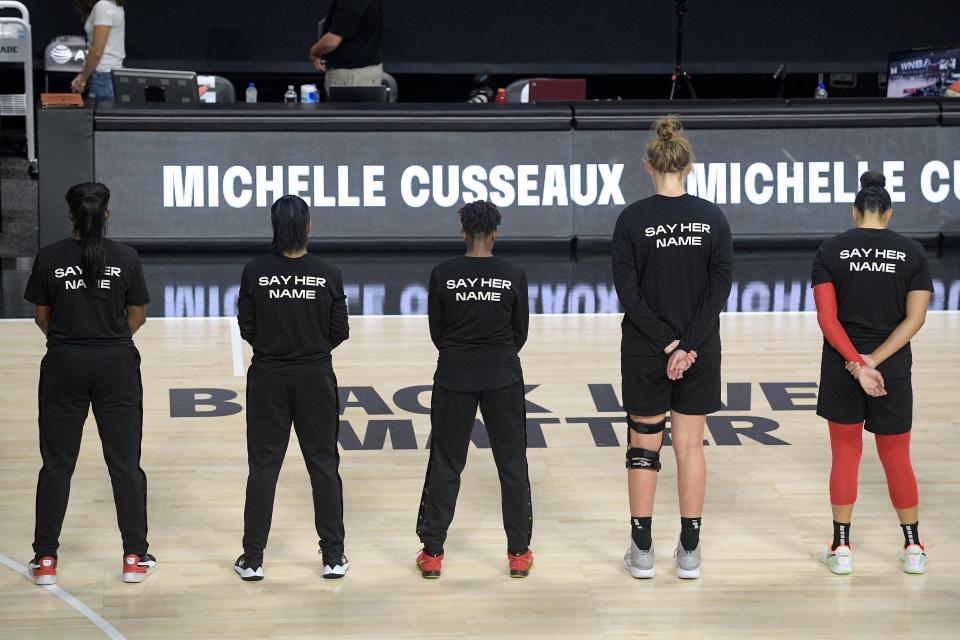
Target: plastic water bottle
(290,95)
(251,92)
(821,93)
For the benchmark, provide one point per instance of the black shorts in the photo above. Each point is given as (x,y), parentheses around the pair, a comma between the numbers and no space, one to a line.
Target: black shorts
(647,391)
(841,398)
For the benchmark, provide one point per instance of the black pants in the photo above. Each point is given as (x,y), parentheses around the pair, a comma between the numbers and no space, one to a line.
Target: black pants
(452,415)
(310,403)
(72,378)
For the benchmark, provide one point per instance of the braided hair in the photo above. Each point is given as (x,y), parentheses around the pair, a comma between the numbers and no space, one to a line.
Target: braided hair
(88,203)
(873,196)
(479,218)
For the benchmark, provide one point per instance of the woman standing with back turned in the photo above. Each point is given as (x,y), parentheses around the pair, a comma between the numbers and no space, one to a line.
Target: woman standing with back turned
(293,311)
(872,287)
(478,322)
(90,299)
(672,261)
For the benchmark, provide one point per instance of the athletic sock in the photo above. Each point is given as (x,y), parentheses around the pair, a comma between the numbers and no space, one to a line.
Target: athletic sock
(841,534)
(690,533)
(640,531)
(518,553)
(911,534)
(433,552)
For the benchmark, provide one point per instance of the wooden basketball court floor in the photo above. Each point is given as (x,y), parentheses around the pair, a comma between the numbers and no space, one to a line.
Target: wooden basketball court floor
(766,518)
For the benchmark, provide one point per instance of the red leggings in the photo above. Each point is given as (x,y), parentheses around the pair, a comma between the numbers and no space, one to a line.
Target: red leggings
(846,441)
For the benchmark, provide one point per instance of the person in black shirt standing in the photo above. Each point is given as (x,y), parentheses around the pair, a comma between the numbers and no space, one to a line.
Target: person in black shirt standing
(293,312)
(478,314)
(90,299)
(350,48)
(672,263)
(872,287)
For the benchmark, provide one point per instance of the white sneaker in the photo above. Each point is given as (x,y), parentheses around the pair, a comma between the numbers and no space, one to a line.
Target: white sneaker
(249,567)
(839,560)
(335,565)
(639,563)
(689,563)
(913,558)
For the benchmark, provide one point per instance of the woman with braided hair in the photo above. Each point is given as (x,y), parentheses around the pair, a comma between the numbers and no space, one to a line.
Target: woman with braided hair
(478,321)
(90,298)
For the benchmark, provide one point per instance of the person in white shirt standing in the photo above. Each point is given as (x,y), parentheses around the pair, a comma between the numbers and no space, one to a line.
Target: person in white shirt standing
(105,25)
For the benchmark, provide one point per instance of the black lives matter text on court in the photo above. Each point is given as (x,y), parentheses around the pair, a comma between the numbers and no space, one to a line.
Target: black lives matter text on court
(370,414)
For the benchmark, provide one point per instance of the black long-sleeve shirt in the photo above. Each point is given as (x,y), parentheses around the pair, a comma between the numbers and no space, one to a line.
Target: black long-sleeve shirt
(479,318)
(873,270)
(293,312)
(79,316)
(672,267)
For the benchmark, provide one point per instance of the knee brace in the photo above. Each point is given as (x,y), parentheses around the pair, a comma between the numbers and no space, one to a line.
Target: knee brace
(643,458)
(646,429)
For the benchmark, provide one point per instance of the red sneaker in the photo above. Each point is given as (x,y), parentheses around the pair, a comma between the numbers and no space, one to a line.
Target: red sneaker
(44,570)
(520,565)
(429,565)
(137,568)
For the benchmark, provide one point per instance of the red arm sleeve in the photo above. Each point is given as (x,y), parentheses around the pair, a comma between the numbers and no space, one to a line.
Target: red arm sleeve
(825,297)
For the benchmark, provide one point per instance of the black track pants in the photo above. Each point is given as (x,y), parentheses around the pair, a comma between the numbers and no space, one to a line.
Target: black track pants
(310,403)
(72,378)
(452,415)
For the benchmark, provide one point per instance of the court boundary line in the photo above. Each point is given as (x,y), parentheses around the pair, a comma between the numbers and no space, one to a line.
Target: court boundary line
(236,348)
(88,613)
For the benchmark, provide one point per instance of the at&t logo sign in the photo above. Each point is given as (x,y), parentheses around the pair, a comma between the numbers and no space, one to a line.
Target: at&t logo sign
(62,54)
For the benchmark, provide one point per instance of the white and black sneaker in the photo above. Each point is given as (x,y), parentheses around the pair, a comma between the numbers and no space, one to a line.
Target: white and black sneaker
(335,564)
(249,567)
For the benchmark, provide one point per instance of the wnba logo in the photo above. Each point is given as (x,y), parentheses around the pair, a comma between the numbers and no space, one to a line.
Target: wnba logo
(61,54)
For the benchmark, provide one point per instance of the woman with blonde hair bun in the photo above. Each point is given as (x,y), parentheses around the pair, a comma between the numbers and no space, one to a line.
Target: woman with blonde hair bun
(672,263)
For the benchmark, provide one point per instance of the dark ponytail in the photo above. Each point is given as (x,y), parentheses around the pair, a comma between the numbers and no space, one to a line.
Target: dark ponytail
(873,196)
(88,209)
(290,216)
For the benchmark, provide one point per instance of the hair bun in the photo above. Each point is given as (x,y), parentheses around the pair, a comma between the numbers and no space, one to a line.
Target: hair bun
(873,179)
(666,127)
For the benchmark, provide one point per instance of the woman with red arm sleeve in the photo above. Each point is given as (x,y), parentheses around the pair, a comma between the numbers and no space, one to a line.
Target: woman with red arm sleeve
(872,287)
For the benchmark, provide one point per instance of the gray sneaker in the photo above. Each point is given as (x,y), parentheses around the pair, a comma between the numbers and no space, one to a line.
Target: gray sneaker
(688,563)
(637,562)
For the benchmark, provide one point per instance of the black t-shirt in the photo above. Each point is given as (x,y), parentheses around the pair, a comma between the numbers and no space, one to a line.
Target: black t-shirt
(360,24)
(79,316)
(478,320)
(872,271)
(293,312)
(672,267)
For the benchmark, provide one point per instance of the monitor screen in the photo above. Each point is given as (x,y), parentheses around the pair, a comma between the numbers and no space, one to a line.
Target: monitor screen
(922,72)
(152,85)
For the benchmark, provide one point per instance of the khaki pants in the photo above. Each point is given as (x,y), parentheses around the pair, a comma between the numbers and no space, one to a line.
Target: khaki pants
(363,77)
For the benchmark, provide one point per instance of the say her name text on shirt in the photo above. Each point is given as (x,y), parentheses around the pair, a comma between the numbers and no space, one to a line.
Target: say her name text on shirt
(671,234)
(473,283)
(867,259)
(75,274)
(287,286)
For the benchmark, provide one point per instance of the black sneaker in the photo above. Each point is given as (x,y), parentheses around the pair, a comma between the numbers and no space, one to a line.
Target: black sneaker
(249,567)
(335,564)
